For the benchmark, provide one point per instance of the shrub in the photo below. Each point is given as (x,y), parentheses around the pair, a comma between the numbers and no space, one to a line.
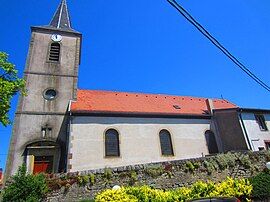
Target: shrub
(83,180)
(261,185)
(239,188)
(132,177)
(201,189)
(92,179)
(210,165)
(226,160)
(266,154)
(154,171)
(25,187)
(145,193)
(189,167)
(115,196)
(107,174)
(245,161)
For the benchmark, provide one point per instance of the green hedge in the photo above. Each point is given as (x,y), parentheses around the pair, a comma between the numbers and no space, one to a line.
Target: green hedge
(238,188)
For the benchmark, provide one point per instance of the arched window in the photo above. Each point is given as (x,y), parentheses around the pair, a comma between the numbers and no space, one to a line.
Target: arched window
(165,142)
(211,142)
(112,143)
(54,54)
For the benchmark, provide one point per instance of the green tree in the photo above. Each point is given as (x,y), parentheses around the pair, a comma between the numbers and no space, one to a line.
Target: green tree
(25,187)
(261,185)
(10,84)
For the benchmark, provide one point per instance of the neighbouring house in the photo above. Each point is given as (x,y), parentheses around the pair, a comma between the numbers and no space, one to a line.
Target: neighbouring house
(58,128)
(243,128)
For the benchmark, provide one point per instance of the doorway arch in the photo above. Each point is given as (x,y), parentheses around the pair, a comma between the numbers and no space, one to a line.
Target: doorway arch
(42,157)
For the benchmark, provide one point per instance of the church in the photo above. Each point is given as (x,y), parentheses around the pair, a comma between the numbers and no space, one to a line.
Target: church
(60,128)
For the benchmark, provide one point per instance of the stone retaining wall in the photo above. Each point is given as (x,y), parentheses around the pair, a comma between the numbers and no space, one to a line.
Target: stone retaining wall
(169,175)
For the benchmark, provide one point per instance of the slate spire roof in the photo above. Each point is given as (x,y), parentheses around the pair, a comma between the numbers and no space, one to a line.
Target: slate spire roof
(61,18)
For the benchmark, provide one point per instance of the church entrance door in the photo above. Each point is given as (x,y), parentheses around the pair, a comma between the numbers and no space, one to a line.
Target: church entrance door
(43,164)
(42,157)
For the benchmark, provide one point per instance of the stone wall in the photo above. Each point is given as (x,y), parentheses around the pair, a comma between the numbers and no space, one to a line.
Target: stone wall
(169,175)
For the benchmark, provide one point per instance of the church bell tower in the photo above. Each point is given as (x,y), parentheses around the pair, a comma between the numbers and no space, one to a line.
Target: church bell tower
(39,136)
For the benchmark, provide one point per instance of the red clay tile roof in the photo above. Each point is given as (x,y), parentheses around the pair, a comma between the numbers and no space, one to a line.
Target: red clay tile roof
(93,101)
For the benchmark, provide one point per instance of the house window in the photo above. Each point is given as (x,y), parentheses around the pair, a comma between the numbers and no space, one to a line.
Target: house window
(54,54)
(112,143)
(261,121)
(262,148)
(165,143)
(267,145)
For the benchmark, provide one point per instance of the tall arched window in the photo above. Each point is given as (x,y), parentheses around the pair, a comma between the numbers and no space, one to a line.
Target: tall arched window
(165,142)
(112,143)
(54,54)
(211,142)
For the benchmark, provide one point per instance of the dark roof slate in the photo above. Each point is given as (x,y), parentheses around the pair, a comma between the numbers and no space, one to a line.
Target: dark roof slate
(61,19)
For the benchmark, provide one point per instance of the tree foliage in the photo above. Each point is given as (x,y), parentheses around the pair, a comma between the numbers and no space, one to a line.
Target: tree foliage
(10,84)
(25,187)
(261,185)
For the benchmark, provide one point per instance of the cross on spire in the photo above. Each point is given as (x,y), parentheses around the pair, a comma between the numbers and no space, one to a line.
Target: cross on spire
(61,19)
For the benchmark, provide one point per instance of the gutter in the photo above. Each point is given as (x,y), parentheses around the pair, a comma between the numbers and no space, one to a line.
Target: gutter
(245,110)
(139,115)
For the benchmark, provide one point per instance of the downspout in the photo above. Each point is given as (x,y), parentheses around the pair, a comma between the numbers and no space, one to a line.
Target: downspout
(245,130)
(68,134)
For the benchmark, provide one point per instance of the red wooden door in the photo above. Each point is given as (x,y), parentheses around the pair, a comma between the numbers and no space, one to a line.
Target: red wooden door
(43,164)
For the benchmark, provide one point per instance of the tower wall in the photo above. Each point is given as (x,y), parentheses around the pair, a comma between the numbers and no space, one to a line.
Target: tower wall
(39,121)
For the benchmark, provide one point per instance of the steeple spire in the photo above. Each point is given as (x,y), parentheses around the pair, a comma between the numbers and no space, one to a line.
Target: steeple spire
(61,19)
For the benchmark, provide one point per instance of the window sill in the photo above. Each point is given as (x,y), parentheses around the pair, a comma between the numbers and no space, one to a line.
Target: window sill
(170,156)
(112,157)
(53,62)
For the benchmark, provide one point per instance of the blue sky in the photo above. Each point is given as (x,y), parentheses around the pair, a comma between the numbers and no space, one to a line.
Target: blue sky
(146,46)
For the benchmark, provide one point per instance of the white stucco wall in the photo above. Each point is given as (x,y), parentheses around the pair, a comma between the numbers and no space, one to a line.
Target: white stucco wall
(139,140)
(257,137)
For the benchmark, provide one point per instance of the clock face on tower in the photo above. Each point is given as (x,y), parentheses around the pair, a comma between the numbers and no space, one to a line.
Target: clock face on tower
(56,37)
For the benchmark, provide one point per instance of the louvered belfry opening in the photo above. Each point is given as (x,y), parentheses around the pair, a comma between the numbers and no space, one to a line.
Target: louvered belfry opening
(54,52)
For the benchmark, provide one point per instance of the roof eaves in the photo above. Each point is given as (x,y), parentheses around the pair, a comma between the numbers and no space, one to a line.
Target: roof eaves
(49,28)
(227,109)
(138,114)
(254,110)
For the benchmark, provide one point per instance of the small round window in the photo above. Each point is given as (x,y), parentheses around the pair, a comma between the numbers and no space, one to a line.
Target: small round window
(50,94)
